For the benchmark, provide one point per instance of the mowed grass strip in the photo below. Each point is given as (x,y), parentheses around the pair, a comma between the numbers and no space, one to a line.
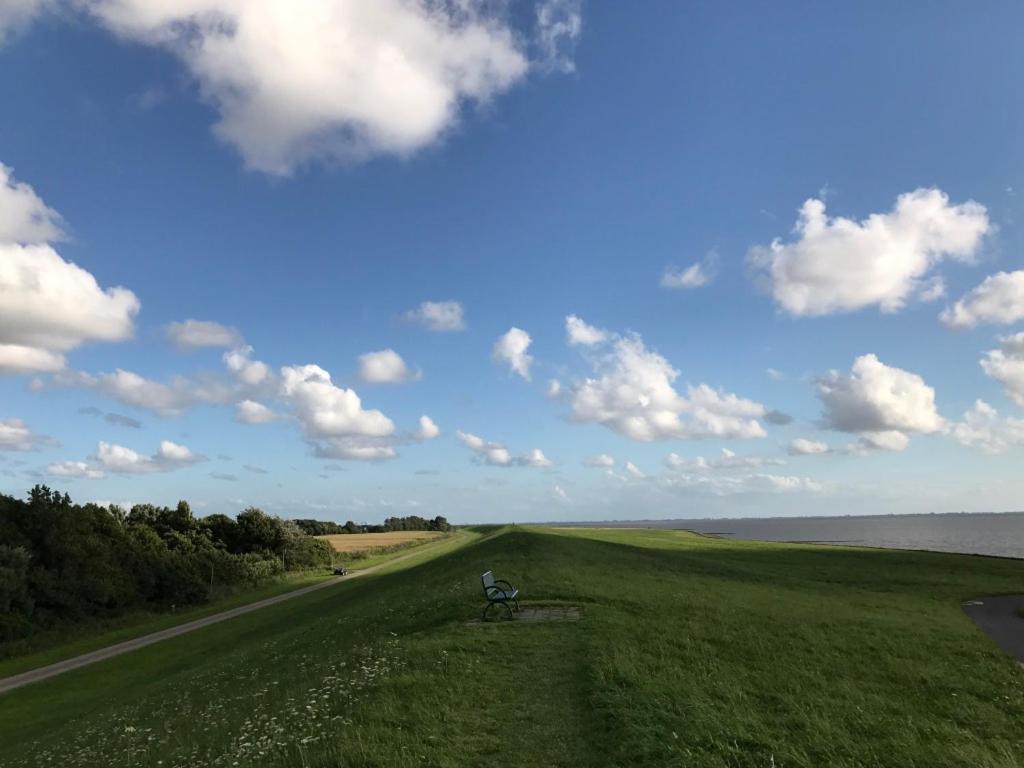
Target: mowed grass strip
(691,652)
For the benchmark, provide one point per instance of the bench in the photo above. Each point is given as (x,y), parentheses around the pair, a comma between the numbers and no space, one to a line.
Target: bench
(498,592)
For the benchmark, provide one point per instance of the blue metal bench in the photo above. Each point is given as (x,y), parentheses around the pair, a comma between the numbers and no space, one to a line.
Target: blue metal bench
(498,592)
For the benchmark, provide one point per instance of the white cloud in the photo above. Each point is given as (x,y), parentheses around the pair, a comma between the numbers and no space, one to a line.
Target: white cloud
(983,428)
(775,374)
(120,460)
(534,458)
(694,276)
(52,306)
(253,412)
(559,23)
(577,332)
(789,482)
(633,394)
(246,370)
(932,290)
(427,429)
(70,469)
(880,403)
(24,217)
(601,460)
(202,333)
(326,410)
(335,79)
(554,388)
(498,455)
(842,265)
(511,349)
(15,14)
(560,493)
(16,358)
(634,470)
(1006,365)
(675,461)
(384,367)
(888,440)
(999,299)
(736,484)
(48,306)
(726,460)
(165,399)
(15,435)
(801,446)
(438,316)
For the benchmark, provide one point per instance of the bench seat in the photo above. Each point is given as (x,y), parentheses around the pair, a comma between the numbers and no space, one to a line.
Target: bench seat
(499,592)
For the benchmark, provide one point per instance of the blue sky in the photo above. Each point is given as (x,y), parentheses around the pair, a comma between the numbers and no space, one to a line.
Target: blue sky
(275,171)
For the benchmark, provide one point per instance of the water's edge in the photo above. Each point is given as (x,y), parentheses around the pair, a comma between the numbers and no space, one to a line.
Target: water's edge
(995,534)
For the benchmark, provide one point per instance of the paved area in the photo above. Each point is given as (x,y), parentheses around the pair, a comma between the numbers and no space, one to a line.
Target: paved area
(998,618)
(549,613)
(42,673)
(538,614)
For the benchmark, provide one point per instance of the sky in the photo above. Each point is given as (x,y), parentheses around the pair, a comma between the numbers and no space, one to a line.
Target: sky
(531,260)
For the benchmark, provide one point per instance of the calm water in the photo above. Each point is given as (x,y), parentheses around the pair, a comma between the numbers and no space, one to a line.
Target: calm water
(978,533)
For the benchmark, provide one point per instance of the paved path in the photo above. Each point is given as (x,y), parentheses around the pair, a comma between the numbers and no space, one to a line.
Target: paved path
(41,673)
(998,618)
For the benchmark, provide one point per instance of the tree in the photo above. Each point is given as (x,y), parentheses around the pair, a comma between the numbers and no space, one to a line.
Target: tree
(259,532)
(223,531)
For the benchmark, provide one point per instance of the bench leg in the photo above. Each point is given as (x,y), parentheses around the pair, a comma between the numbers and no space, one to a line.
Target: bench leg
(504,604)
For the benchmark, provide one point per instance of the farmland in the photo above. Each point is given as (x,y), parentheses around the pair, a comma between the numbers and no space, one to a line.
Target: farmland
(369,542)
(691,652)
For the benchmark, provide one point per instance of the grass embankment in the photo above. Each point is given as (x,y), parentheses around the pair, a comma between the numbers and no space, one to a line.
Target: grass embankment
(65,643)
(692,652)
(57,645)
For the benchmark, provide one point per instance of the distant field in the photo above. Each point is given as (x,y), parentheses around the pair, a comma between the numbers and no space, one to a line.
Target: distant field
(360,542)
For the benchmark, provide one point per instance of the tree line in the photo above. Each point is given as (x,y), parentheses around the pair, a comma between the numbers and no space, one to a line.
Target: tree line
(410,523)
(63,563)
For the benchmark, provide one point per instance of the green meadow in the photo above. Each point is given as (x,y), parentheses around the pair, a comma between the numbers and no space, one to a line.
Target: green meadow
(692,651)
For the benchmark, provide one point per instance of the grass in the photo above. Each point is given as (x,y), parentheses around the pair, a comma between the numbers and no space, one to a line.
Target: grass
(53,646)
(692,652)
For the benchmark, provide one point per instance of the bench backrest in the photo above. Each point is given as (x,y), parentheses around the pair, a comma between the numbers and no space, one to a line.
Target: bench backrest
(487,580)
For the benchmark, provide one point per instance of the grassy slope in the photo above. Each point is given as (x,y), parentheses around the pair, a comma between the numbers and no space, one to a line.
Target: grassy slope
(52,647)
(692,652)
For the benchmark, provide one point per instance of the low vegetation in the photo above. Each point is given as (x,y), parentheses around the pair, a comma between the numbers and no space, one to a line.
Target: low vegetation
(691,652)
(68,565)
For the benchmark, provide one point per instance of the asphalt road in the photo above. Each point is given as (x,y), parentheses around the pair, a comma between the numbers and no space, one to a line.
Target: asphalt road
(998,618)
(42,673)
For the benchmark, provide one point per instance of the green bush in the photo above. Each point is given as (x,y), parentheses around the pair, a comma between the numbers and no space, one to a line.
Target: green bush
(63,563)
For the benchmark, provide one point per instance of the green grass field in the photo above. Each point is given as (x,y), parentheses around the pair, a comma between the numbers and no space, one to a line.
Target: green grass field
(692,652)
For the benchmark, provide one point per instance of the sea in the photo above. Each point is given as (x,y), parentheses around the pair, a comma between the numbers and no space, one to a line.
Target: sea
(978,533)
